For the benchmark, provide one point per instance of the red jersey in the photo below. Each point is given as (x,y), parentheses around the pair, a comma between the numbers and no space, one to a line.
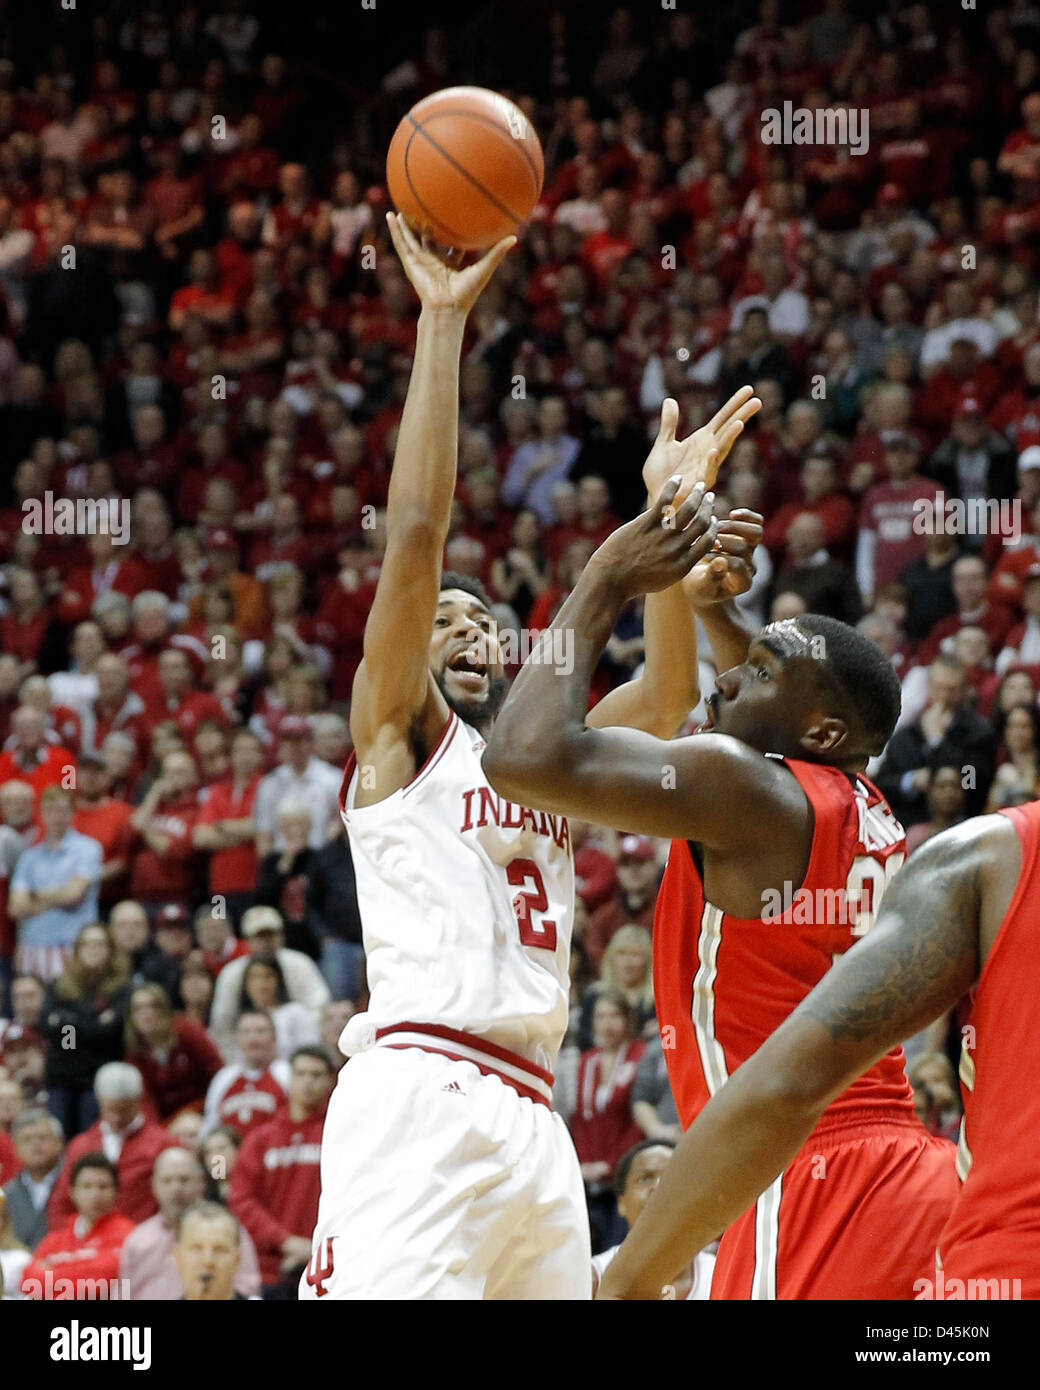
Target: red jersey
(723,984)
(992,1230)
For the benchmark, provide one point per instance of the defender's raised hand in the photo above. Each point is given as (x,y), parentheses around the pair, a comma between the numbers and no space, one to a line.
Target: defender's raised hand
(662,545)
(698,457)
(439,286)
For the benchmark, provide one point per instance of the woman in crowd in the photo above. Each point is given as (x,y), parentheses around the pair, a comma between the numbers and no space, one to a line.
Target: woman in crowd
(946,805)
(174,1055)
(602,1124)
(264,988)
(87,1005)
(522,574)
(628,968)
(1018,767)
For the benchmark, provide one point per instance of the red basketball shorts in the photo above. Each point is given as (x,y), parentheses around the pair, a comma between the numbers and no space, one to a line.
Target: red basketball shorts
(857,1215)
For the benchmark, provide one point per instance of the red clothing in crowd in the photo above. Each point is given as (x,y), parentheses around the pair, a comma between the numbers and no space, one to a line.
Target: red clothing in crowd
(136,1159)
(47,770)
(108,822)
(230,870)
(191,710)
(602,1125)
(608,918)
(836,512)
(181,1076)
(73,1253)
(171,875)
(85,585)
(276,1182)
(10,1163)
(890,510)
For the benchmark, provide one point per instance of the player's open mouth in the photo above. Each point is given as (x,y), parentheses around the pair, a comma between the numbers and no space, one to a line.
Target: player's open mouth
(469,670)
(708,721)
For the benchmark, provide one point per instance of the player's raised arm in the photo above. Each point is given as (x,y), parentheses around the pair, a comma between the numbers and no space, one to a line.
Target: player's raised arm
(393,681)
(922,955)
(542,753)
(659,701)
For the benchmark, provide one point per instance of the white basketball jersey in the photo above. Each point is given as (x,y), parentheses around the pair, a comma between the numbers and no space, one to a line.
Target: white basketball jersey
(466,904)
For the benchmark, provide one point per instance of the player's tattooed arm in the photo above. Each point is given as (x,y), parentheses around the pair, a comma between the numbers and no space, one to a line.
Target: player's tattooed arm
(393,682)
(921,957)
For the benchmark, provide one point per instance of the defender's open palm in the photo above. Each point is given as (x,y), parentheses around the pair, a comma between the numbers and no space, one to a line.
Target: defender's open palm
(697,458)
(438,285)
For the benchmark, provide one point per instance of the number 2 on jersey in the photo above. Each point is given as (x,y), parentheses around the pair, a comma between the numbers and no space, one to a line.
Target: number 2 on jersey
(530,903)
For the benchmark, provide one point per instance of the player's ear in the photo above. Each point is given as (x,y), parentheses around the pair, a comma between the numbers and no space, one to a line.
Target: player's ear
(826,736)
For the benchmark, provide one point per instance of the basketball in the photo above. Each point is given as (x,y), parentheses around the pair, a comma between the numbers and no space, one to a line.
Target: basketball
(466,166)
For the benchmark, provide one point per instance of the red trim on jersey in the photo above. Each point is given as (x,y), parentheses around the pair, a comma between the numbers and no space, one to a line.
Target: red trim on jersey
(438,750)
(526,1091)
(501,1054)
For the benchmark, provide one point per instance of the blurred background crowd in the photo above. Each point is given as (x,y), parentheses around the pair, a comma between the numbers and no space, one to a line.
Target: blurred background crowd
(226,352)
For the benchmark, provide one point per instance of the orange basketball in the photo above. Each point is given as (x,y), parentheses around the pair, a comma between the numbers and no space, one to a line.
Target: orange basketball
(465,165)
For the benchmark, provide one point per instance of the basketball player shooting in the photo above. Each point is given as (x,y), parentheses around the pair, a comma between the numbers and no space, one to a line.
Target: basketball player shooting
(445,1173)
(781,852)
(961,915)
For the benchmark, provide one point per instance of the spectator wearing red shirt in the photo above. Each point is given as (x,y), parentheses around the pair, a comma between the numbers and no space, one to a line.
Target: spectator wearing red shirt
(974,609)
(111,569)
(33,759)
(115,709)
(175,1057)
(602,1125)
(24,627)
(224,829)
(125,1136)
(893,522)
(276,1182)
(165,869)
(820,495)
(153,635)
(178,700)
(87,1246)
(105,819)
(204,296)
(634,901)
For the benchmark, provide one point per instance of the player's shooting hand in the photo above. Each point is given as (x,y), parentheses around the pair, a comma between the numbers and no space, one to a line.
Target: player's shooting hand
(440,286)
(730,568)
(698,457)
(660,547)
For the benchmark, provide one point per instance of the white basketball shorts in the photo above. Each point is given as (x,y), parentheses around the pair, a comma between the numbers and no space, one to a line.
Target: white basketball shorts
(442,1179)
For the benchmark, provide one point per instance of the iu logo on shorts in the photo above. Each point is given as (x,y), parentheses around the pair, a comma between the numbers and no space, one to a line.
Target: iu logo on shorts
(320,1268)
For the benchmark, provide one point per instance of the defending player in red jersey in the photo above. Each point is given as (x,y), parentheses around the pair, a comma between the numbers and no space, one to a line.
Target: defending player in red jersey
(782,852)
(964,913)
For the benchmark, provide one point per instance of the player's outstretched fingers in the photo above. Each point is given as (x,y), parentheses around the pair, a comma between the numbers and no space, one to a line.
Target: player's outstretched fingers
(723,414)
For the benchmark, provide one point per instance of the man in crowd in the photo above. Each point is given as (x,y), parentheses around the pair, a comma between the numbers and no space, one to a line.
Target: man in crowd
(207,1254)
(54,889)
(38,1141)
(147,1262)
(250,1090)
(299,774)
(80,1259)
(276,1183)
(129,1141)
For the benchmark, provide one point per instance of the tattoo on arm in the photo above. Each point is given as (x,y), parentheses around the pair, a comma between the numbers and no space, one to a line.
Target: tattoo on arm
(921,956)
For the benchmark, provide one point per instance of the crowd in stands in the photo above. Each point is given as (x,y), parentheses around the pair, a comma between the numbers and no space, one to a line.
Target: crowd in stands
(225,356)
